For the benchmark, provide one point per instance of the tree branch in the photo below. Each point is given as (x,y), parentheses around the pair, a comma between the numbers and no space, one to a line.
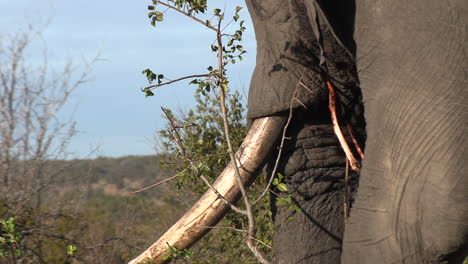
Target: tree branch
(156,184)
(187,15)
(176,139)
(248,206)
(177,80)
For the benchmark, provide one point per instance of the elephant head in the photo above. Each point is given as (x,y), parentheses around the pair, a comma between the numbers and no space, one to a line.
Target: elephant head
(406,63)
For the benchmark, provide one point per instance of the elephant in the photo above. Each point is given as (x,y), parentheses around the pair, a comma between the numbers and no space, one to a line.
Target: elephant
(399,69)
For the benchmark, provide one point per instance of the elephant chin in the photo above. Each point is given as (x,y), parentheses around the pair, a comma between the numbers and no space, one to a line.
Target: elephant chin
(209,209)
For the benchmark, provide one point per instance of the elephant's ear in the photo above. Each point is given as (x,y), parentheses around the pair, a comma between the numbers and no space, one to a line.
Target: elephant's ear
(210,209)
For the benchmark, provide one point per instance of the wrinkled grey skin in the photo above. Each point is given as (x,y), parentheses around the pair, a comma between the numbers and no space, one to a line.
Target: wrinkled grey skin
(406,63)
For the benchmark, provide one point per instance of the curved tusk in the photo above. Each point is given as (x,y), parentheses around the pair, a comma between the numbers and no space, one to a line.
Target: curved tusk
(209,210)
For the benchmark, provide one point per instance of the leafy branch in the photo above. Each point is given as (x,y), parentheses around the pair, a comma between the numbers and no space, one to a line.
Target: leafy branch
(230,53)
(215,78)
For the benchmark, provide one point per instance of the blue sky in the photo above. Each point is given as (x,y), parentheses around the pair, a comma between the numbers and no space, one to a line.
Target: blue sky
(110,110)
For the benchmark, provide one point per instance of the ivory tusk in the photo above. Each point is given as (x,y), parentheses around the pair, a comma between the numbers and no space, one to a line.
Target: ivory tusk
(209,210)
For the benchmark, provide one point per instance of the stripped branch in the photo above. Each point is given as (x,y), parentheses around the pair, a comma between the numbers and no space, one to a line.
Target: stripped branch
(336,127)
(356,144)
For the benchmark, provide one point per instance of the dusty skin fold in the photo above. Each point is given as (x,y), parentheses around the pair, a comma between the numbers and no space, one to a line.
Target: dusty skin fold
(209,210)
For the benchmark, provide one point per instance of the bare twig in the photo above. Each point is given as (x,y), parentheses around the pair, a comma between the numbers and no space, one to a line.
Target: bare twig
(261,242)
(187,15)
(280,149)
(203,158)
(156,184)
(224,227)
(237,230)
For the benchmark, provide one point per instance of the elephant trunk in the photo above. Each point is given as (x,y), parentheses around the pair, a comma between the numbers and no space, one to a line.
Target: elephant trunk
(210,209)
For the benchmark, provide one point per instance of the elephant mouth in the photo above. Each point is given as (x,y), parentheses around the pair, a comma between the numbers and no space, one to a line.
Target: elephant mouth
(210,208)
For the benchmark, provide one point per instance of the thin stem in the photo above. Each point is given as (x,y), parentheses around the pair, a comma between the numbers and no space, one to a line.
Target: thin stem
(227,135)
(203,158)
(236,230)
(346,195)
(187,15)
(227,25)
(177,80)
(156,184)
(261,242)
(283,137)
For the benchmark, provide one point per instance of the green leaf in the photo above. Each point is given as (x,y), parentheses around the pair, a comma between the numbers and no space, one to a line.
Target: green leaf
(284,200)
(275,182)
(282,187)
(295,208)
(280,176)
(238,8)
(149,93)
(159,16)
(71,250)
(217,11)
(151,7)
